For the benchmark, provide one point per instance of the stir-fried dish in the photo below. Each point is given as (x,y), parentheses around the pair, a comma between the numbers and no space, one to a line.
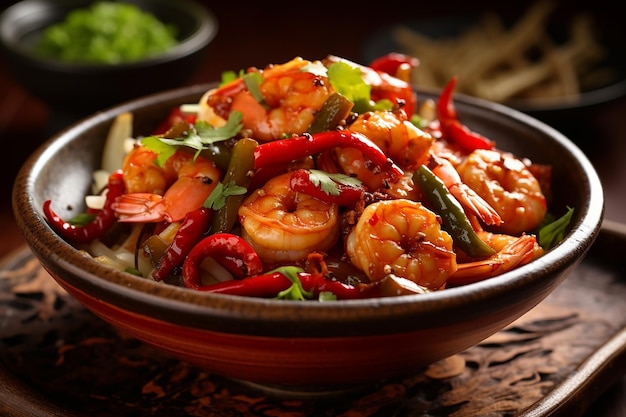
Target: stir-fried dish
(314,180)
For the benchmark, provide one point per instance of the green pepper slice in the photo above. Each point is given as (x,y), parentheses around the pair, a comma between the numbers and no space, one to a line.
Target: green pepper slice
(237,174)
(454,220)
(335,109)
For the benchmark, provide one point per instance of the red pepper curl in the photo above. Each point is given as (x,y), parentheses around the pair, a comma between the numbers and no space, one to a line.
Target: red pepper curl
(452,127)
(281,152)
(347,195)
(193,227)
(269,285)
(231,251)
(105,218)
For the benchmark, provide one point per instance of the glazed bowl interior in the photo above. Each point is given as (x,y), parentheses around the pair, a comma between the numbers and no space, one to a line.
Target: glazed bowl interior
(423,328)
(94,86)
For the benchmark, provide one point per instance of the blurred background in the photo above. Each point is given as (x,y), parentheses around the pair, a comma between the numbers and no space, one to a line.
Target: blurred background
(258,33)
(251,34)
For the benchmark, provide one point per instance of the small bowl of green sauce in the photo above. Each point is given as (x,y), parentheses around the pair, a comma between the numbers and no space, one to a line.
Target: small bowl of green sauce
(85,55)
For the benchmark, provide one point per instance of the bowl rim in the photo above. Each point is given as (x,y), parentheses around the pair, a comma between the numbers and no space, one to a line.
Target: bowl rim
(194,308)
(205,30)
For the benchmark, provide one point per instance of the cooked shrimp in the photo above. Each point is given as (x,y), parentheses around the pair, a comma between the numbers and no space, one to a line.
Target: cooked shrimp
(404,238)
(404,187)
(516,252)
(469,199)
(157,193)
(291,94)
(398,138)
(498,241)
(284,225)
(506,183)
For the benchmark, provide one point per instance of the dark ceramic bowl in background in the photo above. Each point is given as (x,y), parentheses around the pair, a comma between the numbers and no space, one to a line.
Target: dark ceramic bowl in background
(85,88)
(295,346)
(559,112)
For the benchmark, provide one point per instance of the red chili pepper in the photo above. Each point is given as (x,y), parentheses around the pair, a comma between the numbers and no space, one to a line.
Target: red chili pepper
(262,286)
(452,128)
(194,225)
(283,151)
(319,283)
(347,195)
(176,116)
(234,253)
(392,62)
(104,219)
(269,285)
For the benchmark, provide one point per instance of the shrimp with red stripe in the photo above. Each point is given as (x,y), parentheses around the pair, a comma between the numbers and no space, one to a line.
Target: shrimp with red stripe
(156,193)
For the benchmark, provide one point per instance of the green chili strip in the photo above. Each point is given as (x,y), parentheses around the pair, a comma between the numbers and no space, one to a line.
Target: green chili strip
(237,175)
(335,109)
(454,219)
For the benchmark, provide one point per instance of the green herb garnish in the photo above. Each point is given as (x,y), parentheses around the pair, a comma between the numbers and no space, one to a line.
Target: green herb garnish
(295,291)
(328,182)
(199,137)
(217,198)
(552,233)
(348,81)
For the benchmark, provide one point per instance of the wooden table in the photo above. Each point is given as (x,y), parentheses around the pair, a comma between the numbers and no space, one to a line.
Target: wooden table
(250,36)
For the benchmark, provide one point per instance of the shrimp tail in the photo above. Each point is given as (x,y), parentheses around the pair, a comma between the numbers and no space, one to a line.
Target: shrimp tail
(475,204)
(139,207)
(469,199)
(516,253)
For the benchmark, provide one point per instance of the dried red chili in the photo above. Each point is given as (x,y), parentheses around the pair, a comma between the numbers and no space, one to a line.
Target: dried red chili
(281,152)
(104,219)
(452,128)
(193,227)
(231,251)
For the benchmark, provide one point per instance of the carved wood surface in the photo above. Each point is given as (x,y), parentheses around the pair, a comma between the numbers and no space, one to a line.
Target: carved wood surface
(57,359)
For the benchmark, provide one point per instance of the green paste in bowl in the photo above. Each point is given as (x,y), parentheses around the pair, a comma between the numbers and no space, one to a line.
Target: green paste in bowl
(106,33)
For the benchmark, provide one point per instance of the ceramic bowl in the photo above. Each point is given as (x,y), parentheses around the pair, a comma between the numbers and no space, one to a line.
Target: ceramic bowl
(297,346)
(90,87)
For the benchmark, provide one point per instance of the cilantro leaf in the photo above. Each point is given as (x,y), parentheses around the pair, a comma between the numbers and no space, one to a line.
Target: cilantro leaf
(205,134)
(552,233)
(162,149)
(199,137)
(217,198)
(328,182)
(295,291)
(348,81)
